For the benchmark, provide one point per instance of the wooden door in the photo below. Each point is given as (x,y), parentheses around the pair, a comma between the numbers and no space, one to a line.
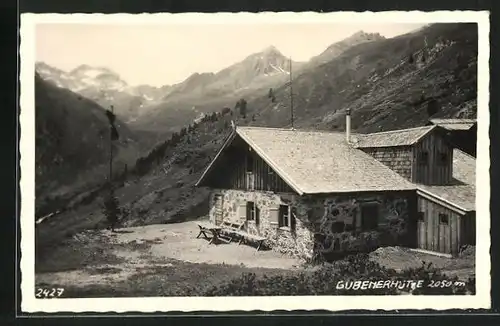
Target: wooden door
(444,243)
(421,231)
(218,209)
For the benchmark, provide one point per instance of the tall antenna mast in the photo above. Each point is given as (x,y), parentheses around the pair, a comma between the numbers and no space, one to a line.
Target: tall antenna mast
(111,153)
(291,93)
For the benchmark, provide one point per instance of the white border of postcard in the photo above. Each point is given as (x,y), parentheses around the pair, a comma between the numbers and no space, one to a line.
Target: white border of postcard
(335,303)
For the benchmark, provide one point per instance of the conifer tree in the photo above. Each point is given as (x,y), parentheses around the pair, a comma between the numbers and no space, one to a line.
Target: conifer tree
(111,209)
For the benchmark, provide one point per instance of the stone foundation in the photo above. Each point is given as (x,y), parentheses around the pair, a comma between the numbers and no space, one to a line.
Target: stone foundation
(298,243)
(326,223)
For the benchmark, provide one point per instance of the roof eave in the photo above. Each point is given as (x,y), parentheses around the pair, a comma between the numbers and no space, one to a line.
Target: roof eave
(357,190)
(434,197)
(209,167)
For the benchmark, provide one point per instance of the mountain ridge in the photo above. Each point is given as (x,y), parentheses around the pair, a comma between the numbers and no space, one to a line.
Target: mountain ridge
(250,78)
(104,86)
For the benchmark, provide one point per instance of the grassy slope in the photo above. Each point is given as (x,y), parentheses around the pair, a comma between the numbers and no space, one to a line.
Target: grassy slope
(72,143)
(386,103)
(165,194)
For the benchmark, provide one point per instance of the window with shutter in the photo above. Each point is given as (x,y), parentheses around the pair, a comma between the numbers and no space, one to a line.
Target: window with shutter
(443,219)
(423,158)
(443,158)
(284,217)
(249,162)
(250,211)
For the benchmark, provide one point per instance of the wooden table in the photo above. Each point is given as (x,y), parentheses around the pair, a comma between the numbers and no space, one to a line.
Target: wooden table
(213,229)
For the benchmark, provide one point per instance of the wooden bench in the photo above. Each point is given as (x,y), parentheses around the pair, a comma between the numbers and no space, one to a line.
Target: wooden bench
(232,225)
(252,237)
(231,228)
(207,227)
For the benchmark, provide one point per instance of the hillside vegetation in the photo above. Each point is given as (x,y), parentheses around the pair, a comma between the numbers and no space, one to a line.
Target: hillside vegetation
(72,141)
(158,188)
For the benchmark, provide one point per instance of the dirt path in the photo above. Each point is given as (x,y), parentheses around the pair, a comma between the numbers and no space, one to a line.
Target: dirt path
(112,258)
(178,241)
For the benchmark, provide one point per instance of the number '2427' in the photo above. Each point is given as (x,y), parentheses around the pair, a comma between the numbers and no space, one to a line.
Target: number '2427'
(49,293)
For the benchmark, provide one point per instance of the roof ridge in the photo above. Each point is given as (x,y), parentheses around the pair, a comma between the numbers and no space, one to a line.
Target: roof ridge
(294,129)
(454,120)
(399,130)
(268,128)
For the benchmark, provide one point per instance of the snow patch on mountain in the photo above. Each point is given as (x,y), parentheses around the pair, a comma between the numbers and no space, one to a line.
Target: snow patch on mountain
(86,79)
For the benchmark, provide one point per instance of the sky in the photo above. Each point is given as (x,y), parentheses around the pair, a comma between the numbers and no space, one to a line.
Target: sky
(167,54)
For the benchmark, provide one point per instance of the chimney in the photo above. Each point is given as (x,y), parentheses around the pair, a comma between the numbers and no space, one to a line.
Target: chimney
(348,125)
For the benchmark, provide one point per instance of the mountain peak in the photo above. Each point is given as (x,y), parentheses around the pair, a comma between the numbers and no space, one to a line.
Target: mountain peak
(270,49)
(364,35)
(85,69)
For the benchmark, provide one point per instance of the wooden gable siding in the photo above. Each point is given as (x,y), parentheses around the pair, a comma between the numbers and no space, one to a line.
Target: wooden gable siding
(231,171)
(436,236)
(435,171)
(399,159)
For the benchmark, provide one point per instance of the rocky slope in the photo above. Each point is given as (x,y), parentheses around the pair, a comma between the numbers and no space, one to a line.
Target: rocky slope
(336,49)
(390,83)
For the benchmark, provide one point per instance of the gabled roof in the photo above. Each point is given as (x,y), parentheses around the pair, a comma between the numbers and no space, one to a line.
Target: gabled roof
(313,162)
(464,167)
(403,137)
(461,195)
(454,124)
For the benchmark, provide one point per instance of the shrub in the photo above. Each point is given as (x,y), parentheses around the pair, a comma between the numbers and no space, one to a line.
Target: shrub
(338,279)
(111,209)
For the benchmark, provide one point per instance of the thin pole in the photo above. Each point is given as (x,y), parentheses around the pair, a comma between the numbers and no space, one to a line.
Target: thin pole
(111,151)
(291,93)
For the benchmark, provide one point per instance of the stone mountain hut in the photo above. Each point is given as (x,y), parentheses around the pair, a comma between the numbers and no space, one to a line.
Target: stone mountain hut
(311,192)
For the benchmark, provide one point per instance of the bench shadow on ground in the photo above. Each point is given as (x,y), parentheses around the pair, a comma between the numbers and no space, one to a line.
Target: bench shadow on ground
(219,242)
(123,231)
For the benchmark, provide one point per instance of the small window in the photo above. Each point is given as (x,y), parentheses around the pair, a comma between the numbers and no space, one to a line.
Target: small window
(423,158)
(443,158)
(253,212)
(284,216)
(338,227)
(249,162)
(420,217)
(369,217)
(250,211)
(287,217)
(443,219)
